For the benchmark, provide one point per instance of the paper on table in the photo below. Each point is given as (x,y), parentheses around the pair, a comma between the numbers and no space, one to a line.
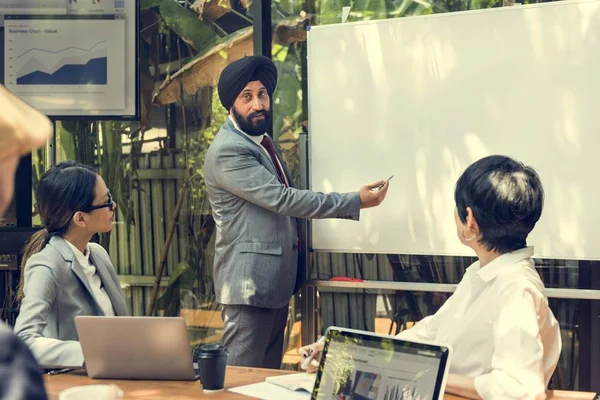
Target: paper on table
(268,391)
(294,381)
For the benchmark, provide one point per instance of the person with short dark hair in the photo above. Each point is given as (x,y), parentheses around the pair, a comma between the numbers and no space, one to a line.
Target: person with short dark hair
(504,198)
(63,275)
(505,340)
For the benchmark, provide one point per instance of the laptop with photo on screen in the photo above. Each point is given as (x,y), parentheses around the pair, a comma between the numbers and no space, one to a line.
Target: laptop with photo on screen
(361,365)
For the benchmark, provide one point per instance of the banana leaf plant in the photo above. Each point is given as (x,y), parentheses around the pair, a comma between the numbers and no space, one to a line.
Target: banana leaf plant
(211,48)
(100,144)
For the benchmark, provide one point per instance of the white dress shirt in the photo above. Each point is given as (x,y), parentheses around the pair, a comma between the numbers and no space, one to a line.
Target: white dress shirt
(500,328)
(94,280)
(258,141)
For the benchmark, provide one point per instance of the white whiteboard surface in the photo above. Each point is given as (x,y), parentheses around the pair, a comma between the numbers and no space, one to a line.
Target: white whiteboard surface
(423,97)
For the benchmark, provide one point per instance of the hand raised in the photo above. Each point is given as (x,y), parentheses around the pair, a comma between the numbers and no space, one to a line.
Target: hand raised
(373,194)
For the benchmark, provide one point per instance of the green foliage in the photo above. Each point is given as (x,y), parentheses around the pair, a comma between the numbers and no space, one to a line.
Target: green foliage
(196,146)
(100,145)
(330,11)
(182,279)
(287,98)
(186,24)
(147,4)
(287,104)
(193,279)
(80,137)
(284,8)
(194,275)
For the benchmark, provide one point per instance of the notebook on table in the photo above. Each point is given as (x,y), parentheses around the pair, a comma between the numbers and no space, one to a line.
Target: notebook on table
(288,387)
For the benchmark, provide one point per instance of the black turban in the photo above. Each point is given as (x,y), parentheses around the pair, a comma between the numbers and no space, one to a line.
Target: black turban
(236,76)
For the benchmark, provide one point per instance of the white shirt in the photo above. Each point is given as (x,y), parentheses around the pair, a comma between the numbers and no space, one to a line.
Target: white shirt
(258,141)
(94,280)
(500,328)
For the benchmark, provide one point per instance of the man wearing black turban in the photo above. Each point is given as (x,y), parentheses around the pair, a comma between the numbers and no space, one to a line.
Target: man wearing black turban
(237,75)
(255,207)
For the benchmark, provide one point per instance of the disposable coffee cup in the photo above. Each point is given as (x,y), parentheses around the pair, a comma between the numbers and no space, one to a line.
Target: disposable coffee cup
(212,362)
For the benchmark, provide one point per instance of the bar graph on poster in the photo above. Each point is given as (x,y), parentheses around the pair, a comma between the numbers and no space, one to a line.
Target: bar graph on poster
(54,62)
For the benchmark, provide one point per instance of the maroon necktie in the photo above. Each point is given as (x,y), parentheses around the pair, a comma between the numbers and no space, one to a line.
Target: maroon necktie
(268,145)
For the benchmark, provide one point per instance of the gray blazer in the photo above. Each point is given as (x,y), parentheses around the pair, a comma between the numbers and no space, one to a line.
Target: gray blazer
(56,291)
(256,252)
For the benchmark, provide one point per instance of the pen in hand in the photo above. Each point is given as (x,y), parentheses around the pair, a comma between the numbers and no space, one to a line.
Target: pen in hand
(311,355)
(384,182)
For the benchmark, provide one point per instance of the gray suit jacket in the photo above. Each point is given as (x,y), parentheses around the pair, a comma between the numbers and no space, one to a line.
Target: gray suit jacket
(256,251)
(56,291)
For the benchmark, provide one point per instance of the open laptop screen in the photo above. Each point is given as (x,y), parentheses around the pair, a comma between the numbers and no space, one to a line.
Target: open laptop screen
(363,366)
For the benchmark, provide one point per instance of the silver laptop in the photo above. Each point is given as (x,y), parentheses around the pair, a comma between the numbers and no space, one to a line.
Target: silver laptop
(152,348)
(366,366)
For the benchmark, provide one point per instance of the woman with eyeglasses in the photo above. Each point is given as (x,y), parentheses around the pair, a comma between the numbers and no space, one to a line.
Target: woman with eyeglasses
(63,275)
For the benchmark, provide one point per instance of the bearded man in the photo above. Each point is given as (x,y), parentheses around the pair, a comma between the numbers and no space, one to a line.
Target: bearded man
(255,207)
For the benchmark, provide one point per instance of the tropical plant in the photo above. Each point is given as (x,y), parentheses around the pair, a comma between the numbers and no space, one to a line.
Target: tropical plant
(100,144)
(202,54)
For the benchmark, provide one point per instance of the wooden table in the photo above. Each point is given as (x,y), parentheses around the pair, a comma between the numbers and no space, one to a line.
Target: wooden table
(170,390)
(236,376)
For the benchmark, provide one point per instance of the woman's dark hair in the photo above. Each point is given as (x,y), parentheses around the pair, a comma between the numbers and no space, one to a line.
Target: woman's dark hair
(63,190)
(506,198)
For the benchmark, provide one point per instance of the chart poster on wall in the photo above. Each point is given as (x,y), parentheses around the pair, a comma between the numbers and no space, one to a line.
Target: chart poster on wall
(80,63)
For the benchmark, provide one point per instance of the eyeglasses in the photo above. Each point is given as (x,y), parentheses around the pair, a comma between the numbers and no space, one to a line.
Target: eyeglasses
(109,204)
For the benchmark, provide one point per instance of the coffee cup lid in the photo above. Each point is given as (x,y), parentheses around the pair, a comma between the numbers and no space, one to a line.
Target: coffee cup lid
(212,350)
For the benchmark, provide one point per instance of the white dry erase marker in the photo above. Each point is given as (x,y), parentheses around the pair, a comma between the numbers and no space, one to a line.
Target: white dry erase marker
(310,357)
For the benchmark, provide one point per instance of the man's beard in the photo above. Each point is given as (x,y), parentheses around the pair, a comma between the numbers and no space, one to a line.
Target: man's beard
(253,127)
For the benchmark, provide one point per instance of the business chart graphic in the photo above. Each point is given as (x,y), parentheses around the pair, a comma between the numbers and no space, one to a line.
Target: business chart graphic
(66,63)
(78,66)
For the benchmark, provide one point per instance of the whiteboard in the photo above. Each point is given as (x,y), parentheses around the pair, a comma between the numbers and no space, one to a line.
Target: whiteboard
(423,97)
